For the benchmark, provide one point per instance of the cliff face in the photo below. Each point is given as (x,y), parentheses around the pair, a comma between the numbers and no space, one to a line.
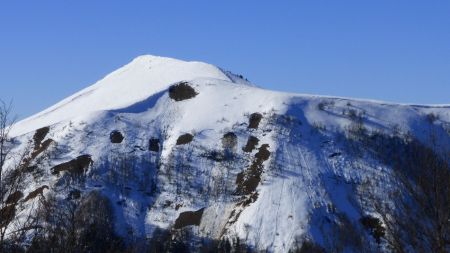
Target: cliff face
(186,152)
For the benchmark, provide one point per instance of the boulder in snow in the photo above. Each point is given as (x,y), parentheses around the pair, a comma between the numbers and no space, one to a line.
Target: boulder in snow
(182,91)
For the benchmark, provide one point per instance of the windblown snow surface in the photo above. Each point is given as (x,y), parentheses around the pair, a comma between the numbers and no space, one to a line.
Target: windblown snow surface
(300,177)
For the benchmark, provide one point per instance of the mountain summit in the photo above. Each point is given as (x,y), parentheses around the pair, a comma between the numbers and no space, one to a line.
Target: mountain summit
(134,82)
(165,155)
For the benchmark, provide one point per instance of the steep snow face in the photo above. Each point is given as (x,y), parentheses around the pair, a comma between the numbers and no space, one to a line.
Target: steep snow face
(136,81)
(273,169)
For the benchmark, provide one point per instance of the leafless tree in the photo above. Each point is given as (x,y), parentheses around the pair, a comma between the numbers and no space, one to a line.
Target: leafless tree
(84,225)
(6,123)
(419,214)
(15,219)
(6,211)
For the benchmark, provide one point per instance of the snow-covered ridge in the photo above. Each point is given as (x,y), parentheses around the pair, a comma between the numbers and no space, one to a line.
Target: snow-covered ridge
(138,80)
(274,169)
(134,82)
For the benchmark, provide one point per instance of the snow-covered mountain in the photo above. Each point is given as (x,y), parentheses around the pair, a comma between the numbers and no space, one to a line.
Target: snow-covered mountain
(187,148)
(143,77)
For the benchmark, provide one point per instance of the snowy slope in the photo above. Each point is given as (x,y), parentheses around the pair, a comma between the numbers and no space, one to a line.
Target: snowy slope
(307,172)
(136,81)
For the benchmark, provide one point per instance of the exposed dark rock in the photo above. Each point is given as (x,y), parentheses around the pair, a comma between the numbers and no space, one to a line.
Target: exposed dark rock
(182,91)
(185,139)
(7,213)
(374,225)
(254,120)
(39,136)
(42,147)
(247,181)
(35,193)
(75,166)
(251,144)
(229,140)
(189,218)
(36,152)
(263,154)
(116,137)
(39,146)
(14,197)
(153,145)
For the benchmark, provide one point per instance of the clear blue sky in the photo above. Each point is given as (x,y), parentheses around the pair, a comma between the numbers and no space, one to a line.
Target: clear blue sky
(394,50)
